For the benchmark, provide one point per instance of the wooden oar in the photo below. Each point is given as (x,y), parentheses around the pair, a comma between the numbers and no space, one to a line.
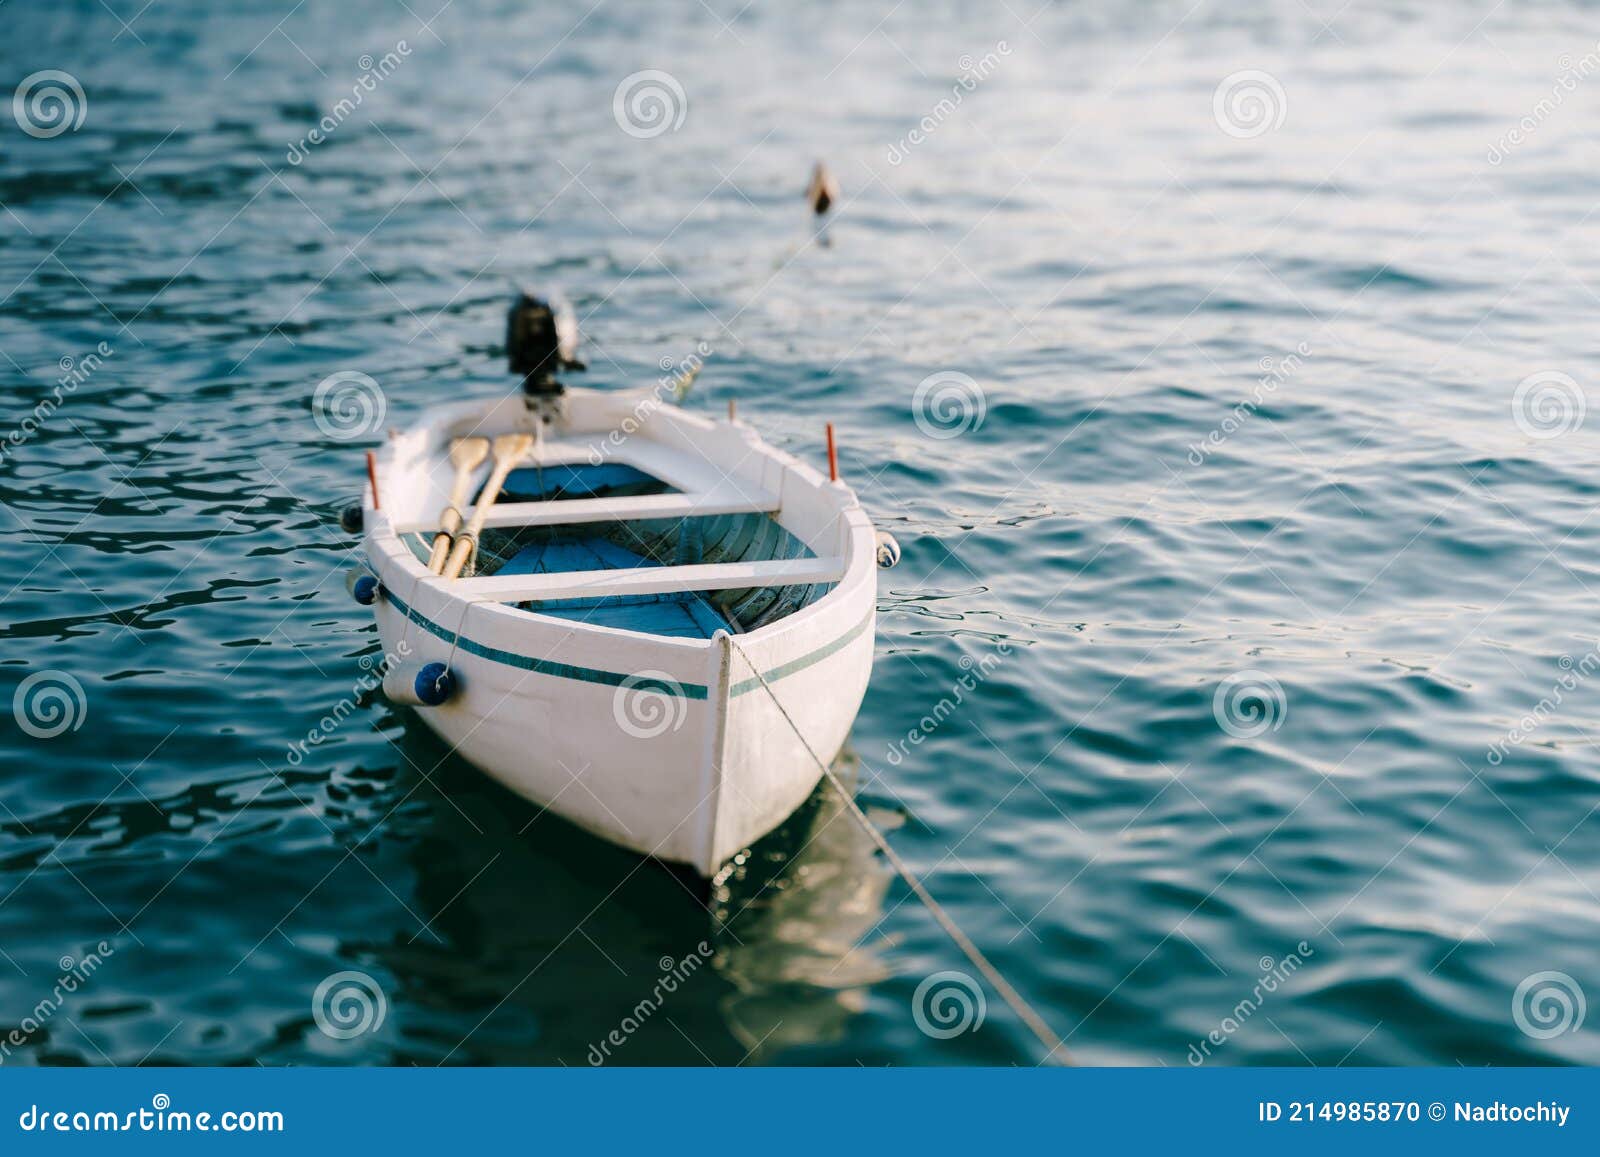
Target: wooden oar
(509,449)
(466,455)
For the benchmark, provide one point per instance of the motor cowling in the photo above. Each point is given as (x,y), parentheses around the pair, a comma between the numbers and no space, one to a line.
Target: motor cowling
(541,339)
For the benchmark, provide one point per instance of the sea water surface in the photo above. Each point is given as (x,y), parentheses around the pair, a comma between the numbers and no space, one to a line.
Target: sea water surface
(1235,692)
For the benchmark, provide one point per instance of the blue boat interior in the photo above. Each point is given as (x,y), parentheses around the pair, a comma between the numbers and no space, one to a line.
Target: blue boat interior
(579,480)
(628,544)
(678,615)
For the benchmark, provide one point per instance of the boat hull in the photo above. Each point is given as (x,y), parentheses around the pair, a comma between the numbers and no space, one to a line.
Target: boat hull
(687,770)
(685,749)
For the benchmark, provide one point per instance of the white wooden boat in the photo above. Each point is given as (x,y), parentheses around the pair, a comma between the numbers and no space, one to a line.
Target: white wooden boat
(669,621)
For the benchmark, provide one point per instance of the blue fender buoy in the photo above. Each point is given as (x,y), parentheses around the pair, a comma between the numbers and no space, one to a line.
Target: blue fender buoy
(434,684)
(351,519)
(365,590)
(888,550)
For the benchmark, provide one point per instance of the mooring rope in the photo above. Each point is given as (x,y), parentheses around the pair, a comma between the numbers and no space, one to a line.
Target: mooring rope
(1055,1050)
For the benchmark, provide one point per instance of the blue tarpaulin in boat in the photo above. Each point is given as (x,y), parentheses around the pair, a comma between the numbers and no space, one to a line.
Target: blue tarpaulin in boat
(678,615)
(579,480)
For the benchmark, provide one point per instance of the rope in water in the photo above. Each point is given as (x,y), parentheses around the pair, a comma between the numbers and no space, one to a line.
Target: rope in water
(1055,1050)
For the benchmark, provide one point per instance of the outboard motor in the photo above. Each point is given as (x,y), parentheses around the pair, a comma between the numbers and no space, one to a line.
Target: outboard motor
(540,340)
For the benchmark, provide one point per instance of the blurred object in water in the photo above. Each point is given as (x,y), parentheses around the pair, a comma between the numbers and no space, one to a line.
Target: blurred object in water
(823,190)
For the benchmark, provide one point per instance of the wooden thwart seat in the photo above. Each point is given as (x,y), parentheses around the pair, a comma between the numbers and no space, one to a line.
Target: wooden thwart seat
(574,511)
(648,580)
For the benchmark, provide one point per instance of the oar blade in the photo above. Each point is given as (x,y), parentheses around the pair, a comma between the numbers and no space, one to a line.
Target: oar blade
(466,455)
(509,450)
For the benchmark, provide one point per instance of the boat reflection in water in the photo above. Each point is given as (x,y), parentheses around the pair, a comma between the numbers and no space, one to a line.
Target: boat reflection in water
(541,944)
(791,916)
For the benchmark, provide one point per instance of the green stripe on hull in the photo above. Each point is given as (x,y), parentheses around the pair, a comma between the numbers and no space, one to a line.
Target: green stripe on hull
(614,678)
(744,686)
